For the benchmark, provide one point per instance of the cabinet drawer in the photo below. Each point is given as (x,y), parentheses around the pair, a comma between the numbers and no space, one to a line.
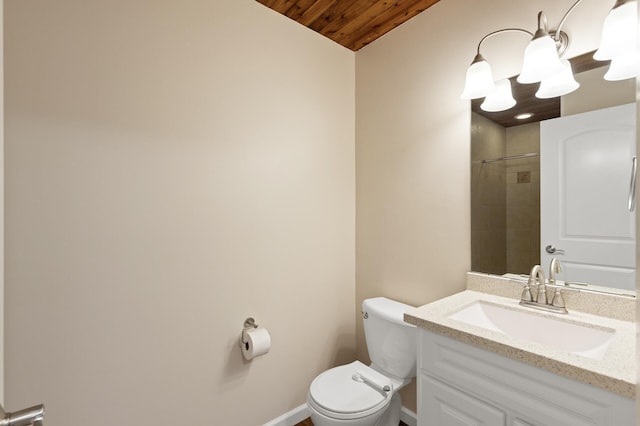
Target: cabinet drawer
(528,395)
(445,405)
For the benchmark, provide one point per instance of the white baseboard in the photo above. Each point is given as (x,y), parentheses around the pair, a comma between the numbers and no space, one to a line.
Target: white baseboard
(409,417)
(291,418)
(300,413)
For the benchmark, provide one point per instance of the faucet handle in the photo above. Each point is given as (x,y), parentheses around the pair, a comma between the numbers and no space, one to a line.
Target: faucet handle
(527,296)
(541,298)
(558,300)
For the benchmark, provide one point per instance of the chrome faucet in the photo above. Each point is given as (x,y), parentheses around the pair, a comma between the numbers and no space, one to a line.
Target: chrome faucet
(555,268)
(537,275)
(537,279)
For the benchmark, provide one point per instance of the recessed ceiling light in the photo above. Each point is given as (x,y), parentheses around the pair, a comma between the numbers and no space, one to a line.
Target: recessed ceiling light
(523,116)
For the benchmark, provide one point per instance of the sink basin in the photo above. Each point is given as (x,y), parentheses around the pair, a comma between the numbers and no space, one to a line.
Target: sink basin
(581,339)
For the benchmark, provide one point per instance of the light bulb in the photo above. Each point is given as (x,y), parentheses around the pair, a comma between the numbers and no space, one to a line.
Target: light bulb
(479,80)
(500,99)
(619,33)
(559,84)
(623,67)
(540,60)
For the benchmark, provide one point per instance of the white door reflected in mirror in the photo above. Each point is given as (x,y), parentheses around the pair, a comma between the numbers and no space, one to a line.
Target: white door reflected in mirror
(585,169)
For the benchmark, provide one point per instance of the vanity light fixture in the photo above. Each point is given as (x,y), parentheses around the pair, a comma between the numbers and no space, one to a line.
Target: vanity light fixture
(542,58)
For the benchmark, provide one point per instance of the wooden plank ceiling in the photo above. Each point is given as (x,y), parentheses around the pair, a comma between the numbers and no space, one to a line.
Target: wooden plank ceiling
(351,23)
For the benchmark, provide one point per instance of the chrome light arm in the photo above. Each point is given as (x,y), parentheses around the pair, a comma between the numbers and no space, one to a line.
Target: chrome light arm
(504,30)
(29,416)
(564,18)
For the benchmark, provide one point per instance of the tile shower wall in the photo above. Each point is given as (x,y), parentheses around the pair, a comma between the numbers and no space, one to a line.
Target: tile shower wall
(488,196)
(505,197)
(523,198)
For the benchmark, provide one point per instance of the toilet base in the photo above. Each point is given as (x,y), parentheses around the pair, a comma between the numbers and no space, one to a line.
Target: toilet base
(390,416)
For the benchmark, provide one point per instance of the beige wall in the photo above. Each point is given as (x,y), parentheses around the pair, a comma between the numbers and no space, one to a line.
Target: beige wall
(1,204)
(173,168)
(412,141)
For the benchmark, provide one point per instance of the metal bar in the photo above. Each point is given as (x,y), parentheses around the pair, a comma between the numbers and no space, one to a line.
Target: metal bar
(632,184)
(512,157)
(503,30)
(29,416)
(564,18)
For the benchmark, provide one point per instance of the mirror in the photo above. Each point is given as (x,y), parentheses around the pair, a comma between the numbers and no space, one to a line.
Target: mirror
(505,167)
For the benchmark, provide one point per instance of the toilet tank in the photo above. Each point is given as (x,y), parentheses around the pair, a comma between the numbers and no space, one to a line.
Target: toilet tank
(391,342)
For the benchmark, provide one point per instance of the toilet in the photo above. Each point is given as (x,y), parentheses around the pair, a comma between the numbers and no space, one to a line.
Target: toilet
(359,395)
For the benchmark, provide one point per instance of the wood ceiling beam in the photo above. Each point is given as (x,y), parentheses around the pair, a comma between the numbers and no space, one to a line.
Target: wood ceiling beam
(315,11)
(278,5)
(298,7)
(383,22)
(338,12)
(352,23)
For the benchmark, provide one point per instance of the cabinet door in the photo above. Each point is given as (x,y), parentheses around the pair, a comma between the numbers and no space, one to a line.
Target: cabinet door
(465,385)
(447,406)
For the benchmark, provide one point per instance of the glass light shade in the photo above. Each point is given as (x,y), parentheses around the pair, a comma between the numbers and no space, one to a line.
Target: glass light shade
(540,60)
(479,79)
(623,67)
(619,33)
(559,84)
(499,99)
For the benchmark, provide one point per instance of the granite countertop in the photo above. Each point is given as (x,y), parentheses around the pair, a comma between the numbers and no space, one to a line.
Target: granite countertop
(616,372)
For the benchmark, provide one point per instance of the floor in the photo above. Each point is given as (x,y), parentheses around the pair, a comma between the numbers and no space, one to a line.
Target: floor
(307,422)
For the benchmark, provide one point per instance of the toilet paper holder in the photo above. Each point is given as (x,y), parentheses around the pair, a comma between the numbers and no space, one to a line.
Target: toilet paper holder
(249,324)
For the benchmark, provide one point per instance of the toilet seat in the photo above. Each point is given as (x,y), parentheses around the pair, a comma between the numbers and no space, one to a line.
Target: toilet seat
(336,394)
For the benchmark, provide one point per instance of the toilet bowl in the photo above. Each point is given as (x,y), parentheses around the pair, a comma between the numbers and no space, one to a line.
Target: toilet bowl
(337,398)
(359,395)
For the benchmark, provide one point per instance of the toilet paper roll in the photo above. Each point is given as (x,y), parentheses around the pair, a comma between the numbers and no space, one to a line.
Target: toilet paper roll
(256,342)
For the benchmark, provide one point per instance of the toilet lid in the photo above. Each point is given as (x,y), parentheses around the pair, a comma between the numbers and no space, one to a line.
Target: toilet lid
(336,390)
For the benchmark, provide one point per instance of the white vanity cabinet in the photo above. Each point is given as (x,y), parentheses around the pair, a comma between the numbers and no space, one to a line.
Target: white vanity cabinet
(462,385)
